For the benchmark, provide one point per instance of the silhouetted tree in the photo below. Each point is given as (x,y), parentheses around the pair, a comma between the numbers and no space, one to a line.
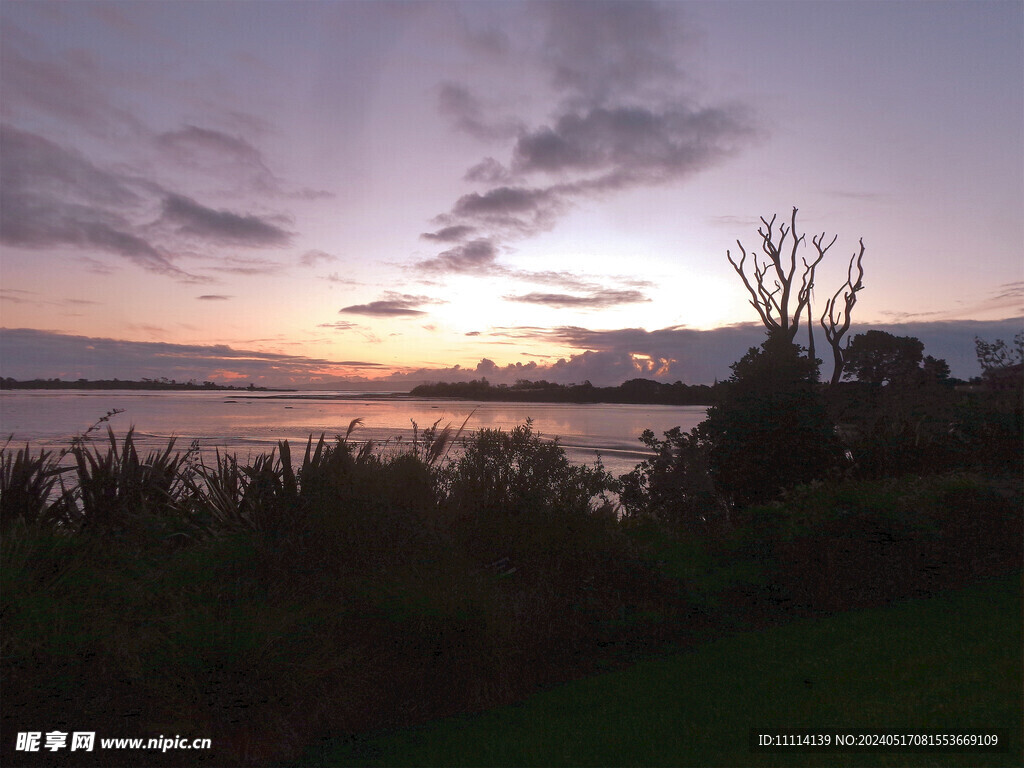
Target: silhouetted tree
(771,429)
(998,354)
(780,300)
(835,321)
(877,357)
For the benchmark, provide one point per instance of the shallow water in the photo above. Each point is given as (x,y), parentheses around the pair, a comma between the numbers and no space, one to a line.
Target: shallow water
(251,423)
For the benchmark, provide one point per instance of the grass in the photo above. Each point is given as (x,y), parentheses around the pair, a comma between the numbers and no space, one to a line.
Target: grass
(947,663)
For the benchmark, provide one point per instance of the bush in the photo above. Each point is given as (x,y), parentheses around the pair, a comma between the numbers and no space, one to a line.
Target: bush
(771,430)
(674,486)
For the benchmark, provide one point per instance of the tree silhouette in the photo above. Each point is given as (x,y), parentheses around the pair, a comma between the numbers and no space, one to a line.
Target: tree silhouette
(877,357)
(770,430)
(780,300)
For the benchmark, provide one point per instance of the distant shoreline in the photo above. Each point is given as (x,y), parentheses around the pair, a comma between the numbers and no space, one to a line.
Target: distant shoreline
(104,384)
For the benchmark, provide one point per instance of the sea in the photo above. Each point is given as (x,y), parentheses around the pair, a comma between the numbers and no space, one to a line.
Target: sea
(249,423)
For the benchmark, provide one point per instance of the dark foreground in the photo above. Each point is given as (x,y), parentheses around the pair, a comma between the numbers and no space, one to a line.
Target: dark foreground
(934,668)
(267,605)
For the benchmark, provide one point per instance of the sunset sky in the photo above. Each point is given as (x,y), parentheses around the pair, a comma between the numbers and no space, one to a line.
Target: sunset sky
(301,193)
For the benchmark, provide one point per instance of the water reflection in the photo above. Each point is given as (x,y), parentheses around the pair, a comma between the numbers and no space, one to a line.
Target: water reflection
(250,423)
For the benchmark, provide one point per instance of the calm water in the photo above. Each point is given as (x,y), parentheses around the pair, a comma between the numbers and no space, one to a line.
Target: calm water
(247,423)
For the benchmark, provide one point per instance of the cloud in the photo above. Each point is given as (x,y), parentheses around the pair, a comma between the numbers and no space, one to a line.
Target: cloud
(474,256)
(605,50)
(339,325)
(466,113)
(95,266)
(1013,290)
(622,121)
(71,88)
(50,196)
(630,145)
(701,356)
(601,299)
(394,305)
(227,157)
(521,209)
(199,146)
(310,258)
(28,354)
(17,296)
(213,297)
(238,266)
(453,234)
(221,226)
(334,277)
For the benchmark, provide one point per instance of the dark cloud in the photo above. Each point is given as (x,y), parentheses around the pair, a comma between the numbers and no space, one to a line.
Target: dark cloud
(475,256)
(454,234)
(222,226)
(384,309)
(501,202)
(508,211)
(701,356)
(599,51)
(597,300)
(393,305)
(29,353)
(213,297)
(623,121)
(626,146)
(488,171)
(50,196)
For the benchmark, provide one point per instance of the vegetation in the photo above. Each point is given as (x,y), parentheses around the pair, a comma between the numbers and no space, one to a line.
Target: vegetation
(353,588)
(633,391)
(780,301)
(161,383)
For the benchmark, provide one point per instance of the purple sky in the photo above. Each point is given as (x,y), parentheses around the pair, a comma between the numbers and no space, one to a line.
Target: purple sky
(301,193)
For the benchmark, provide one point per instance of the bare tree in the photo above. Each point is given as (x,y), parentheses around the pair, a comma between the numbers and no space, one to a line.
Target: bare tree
(779,299)
(836,322)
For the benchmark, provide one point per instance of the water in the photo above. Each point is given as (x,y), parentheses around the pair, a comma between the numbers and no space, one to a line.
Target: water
(252,423)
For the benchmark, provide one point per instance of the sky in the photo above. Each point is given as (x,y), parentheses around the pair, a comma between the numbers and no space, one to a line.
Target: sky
(325,194)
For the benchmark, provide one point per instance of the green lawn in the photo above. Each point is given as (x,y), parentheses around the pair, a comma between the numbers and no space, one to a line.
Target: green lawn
(952,662)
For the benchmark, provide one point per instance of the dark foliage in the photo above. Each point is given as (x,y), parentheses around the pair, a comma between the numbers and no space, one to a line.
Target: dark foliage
(632,391)
(674,486)
(771,430)
(161,383)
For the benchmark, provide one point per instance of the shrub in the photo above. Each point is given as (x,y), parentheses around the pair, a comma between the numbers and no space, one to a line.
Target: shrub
(771,430)
(674,486)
